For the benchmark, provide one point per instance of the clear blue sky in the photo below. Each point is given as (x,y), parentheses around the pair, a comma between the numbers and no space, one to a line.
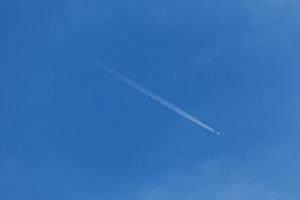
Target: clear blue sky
(70,131)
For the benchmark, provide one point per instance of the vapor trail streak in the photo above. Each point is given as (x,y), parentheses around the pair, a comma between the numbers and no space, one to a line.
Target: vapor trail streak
(148,93)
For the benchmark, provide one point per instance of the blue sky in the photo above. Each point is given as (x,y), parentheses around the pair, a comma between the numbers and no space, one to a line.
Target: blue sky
(70,131)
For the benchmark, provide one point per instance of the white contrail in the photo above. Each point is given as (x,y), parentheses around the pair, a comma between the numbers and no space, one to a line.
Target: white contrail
(147,92)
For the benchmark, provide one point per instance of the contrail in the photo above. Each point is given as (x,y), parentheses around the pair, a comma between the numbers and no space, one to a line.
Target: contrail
(147,92)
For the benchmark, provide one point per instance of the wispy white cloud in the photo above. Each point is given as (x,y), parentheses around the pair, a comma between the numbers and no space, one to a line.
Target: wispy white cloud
(211,181)
(258,176)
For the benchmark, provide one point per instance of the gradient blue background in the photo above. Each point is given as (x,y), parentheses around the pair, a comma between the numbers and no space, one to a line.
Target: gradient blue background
(70,131)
